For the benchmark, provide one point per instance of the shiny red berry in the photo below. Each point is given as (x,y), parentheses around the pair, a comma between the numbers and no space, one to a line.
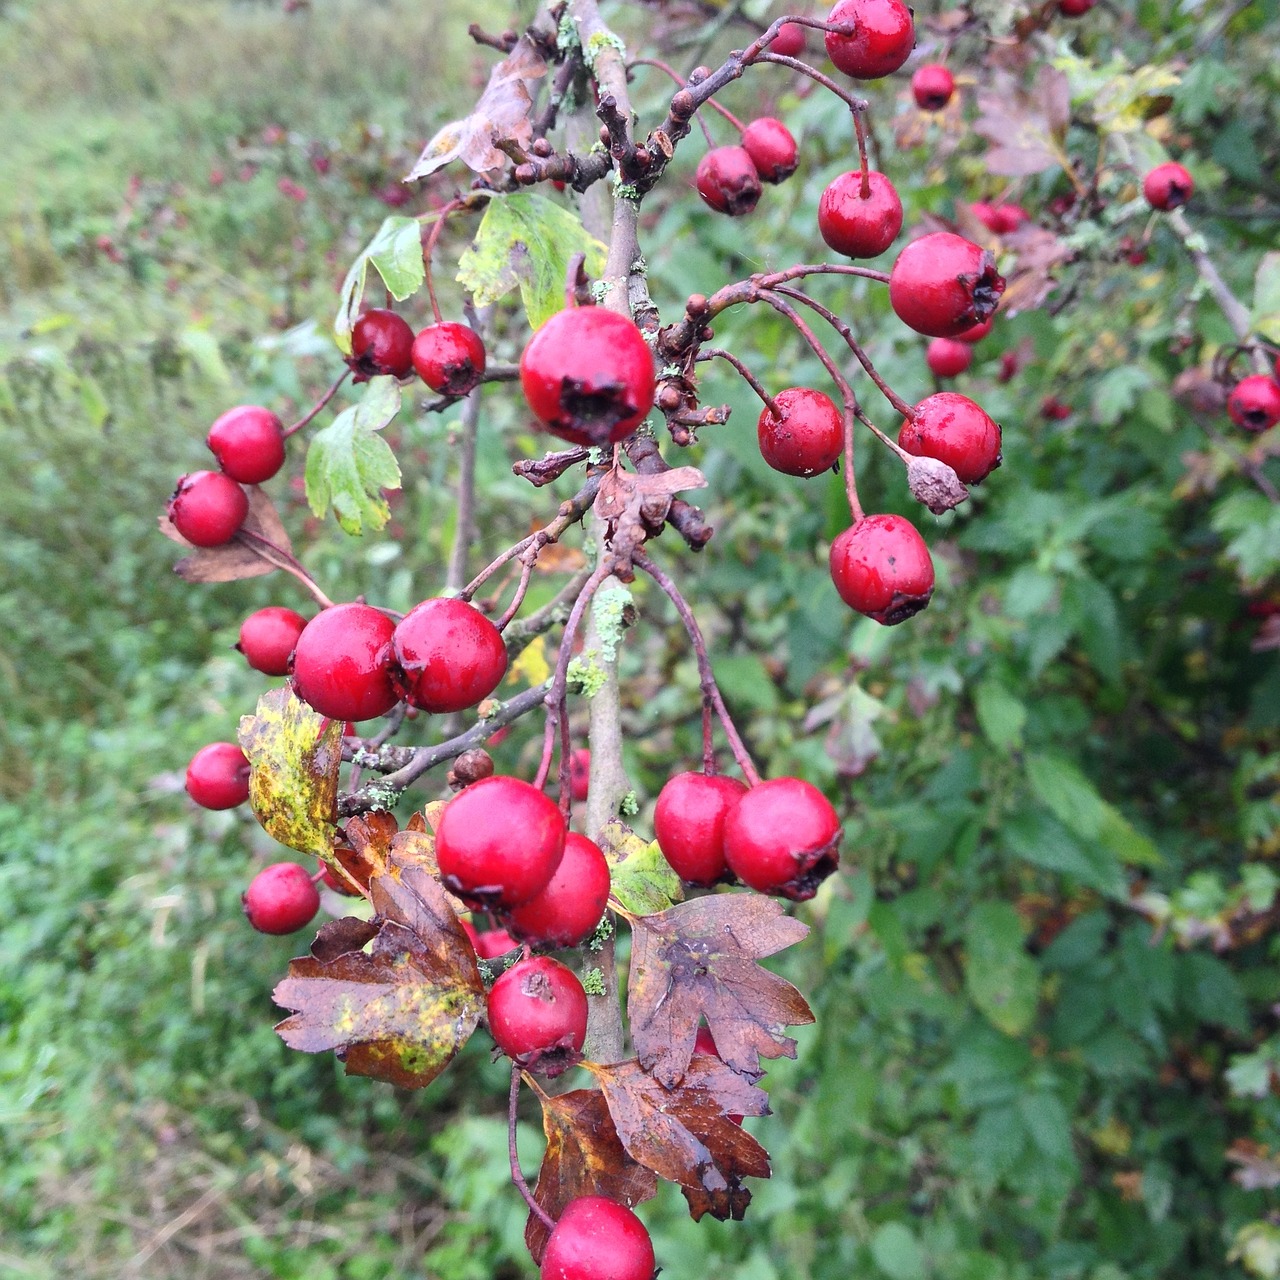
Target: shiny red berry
(807,438)
(932,86)
(588,375)
(381,343)
(728,181)
(858,223)
(449,358)
(943,284)
(598,1239)
(978,332)
(248,442)
(448,655)
(1254,403)
(342,663)
(688,823)
(1000,218)
(268,638)
(948,357)
(579,773)
(567,910)
(493,943)
(783,837)
(789,41)
(538,1013)
(882,39)
(772,149)
(1168,186)
(218,776)
(1075,8)
(207,508)
(953,429)
(881,567)
(281,898)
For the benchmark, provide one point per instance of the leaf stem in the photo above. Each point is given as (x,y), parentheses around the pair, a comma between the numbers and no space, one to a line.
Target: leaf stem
(513,1102)
(319,405)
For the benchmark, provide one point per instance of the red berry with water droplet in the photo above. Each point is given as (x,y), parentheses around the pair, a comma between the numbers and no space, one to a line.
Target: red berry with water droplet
(805,437)
(943,284)
(881,567)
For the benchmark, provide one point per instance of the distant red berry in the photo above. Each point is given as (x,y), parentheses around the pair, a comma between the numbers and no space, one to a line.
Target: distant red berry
(728,181)
(1254,403)
(493,943)
(218,776)
(207,508)
(772,149)
(281,898)
(932,86)
(598,1239)
(448,655)
(789,41)
(248,442)
(807,438)
(381,343)
(538,1013)
(881,567)
(1053,409)
(1000,218)
(858,225)
(882,40)
(579,773)
(268,638)
(977,332)
(948,357)
(449,358)
(1168,186)
(342,663)
(955,430)
(1075,8)
(783,837)
(566,911)
(943,284)
(688,824)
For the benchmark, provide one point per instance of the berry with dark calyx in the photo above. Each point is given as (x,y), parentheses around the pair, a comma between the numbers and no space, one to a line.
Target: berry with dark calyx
(493,943)
(783,837)
(856,224)
(978,332)
(932,86)
(381,343)
(772,149)
(943,284)
(1254,403)
(728,181)
(790,40)
(598,1239)
(1168,186)
(688,823)
(207,508)
(579,773)
(948,357)
(881,567)
(538,1014)
(449,358)
(248,442)
(448,655)
(807,438)
(1000,218)
(566,912)
(342,663)
(1075,8)
(218,776)
(955,430)
(499,842)
(882,39)
(281,898)
(268,638)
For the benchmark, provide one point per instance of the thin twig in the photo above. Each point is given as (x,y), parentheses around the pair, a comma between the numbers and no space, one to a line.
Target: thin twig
(517,1176)
(320,404)
(283,560)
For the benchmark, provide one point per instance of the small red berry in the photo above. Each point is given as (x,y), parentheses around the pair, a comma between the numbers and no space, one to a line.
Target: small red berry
(705,1042)
(1075,8)
(948,357)
(493,943)
(943,284)
(579,773)
(688,823)
(207,508)
(807,438)
(956,431)
(598,1239)
(783,837)
(1000,218)
(978,332)
(218,776)
(248,442)
(567,910)
(448,654)
(538,1013)
(882,567)
(772,149)
(1168,186)
(789,41)
(882,40)
(1054,410)
(268,638)
(342,663)
(449,358)
(381,343)
(281,898)
(858,225)
(728,181)
(1254,403)
(336,883)
(932,86)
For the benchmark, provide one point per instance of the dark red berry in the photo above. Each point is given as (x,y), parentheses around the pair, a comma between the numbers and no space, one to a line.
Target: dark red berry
(772,149)
(783,837)
(978,332)
(568,909)
(538,1014)
(248,442)
(807,438)
(705,1042)
(579,773)
(1168,186)
(268,638)
(789,41)
(948,357)
(342,663)
(1075,8)
(858,224)
(1054,410)
(331,880)
(688,823)
(381,343)
(1000,218)
(218,776)
(728,181)
(207,508)
(956,431)
(449,358)
(448,655)
(943,284)
(1254,403)
(598,1239)
(881,567)
(281,898)
(588,375)
(499,842)
(882,40)
(932,86)
(493,943)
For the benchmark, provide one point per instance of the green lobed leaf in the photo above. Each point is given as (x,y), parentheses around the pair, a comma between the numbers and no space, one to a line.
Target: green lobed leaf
(999,975)
(396,254)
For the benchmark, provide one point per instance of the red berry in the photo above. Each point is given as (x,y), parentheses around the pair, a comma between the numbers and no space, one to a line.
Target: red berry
(932,86)
(882,40)
(882,567)
(567,911)
(771,147)
(1168,186)
(783,837)
(728,181)
(858,225)
(705,1042)
(448,654)
(1075,8)
(1254,403)
(978,332)
(336,883)
(789,41)
(538,1011)
(281,899)
(588,375)
(218,776)
(449,358)
(1053,409)
(598,1239)
(342,663)
(1000,218)
(207,508)
(948,357)
(943,284)
(493,943)
(807,438)
(268,638)
(381,343)
(499,842)
(688,823)
(579,773)
(956,431)
(248,442)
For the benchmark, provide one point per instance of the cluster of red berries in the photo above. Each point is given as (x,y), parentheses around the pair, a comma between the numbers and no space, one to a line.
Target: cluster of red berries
(449,357)
(728,178)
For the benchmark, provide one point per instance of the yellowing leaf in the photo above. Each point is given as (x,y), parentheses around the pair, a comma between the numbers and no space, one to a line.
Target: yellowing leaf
(532,665)
(642,879)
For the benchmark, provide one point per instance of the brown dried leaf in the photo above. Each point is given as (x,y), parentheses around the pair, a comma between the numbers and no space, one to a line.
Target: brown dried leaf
(1023,129)
(666,484)
(1038,254)
(1259,1169)
(238,558)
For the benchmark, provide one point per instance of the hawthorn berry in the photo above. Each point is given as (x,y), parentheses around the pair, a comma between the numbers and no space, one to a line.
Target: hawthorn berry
(448,655)
(207,508)
(705,1042)
(881,567)
(688,823)
(932,86)
(588,375)
(579,773)
(499,842)
(953,429)
(493,943)
(336,882)
(248,442)
(281,898)
(268,637)
(856,223)
(807,438)
(948,357)
(783,837)
(342,663)
(772,149)
(1000,218)
(538,1014)
(1254,402)
(977,332)
(882,39)
(1075,8)
(449,358)
(943,284)
(566,911)
(1168,186)
(218,776)
(381,343)
(789,41)
(598,1239)
(728,181)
